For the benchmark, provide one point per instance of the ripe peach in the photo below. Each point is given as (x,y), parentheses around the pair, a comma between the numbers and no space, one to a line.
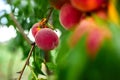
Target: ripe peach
(88,5)
(95,39)
(69,16)
(46,39)
(95,35)
(35,29)
(80,30)
(58,3)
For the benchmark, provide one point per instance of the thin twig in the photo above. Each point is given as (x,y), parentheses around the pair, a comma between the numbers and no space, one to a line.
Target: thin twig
(49,14)
(21,30)
(44,21)
(30,53)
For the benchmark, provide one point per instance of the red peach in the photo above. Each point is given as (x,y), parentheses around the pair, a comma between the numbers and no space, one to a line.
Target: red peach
(35,29)
(95,39)
(88,5)
(69,16)
(46,39)
(80,30)
(96,34)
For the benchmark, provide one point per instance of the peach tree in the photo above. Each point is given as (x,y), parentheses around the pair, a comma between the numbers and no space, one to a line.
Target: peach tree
(87,49)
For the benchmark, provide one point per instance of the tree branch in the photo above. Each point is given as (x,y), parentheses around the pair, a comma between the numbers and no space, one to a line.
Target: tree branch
(20,28)
(27,61)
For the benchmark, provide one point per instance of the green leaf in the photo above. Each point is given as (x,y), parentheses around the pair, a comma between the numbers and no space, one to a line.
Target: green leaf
(71,66)
(115,36)
(63,46)
(37,61)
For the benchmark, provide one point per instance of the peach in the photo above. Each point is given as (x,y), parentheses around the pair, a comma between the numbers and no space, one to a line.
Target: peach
(95,35)
(58,3)
(95,39)
(69,16)
(83,27)
(35,29)
(88,5)
(46,39)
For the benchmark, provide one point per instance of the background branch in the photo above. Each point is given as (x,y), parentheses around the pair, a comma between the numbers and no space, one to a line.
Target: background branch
(21,30)
(49,14)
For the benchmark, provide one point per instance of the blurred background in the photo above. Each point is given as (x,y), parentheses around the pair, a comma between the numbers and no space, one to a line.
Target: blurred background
(10,60)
